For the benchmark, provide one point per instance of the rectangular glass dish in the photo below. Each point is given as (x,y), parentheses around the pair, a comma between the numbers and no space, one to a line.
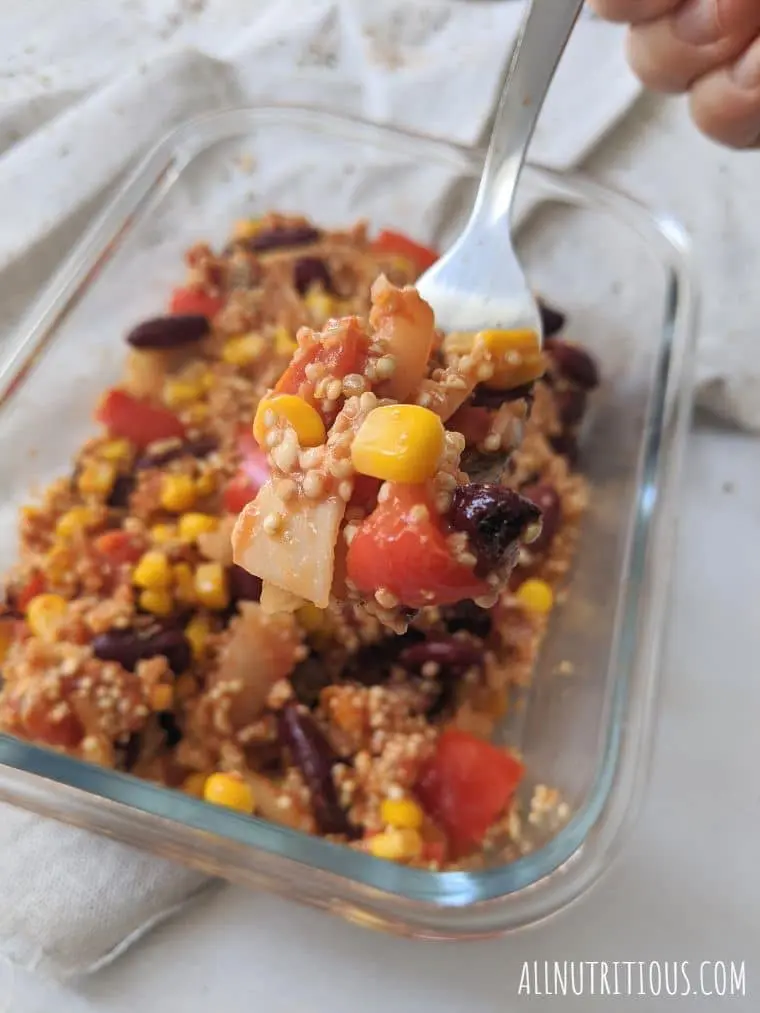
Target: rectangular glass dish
(619,273)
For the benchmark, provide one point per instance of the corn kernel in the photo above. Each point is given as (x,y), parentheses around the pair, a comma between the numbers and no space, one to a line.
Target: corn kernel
(194,784)
(161,697)
(246,228)
(399,443)
(161,534)
(96,478)
(211,586)
(59,563)
(311,618)
(535,596)
(206,379)
(205,484)
(178,393)
(116,451)
(308,425)
(178,493)
(152,571)
(44,614)
(396,844)
(284,342)
(184,583)
(196,413)
(243,350)
(320,306)
(515,355)
(193,524)
(401,813)
(229,790)
(197,631)
(73,522)
(158,601)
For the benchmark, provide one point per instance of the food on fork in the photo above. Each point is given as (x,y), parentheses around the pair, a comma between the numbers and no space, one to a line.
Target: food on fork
(367,500)
(129,637)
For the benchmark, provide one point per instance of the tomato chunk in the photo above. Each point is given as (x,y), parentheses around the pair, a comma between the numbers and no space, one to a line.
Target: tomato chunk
(137,420)
(35,585)
(118,547)
(466,786)
(252,473)
(409,557)
(389,241)
(193,300)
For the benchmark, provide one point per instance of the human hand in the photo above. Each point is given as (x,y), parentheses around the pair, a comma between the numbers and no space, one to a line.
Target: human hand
(708,48)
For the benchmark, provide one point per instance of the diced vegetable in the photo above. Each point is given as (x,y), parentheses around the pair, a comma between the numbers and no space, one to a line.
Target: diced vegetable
(401,547)
(402,319)
(192,300)
(399,443)
(392,242)
(135,420)
(118,547)
(467,785)
(302,416)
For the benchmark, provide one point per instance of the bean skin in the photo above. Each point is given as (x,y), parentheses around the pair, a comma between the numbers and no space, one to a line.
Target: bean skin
(494,518)
(129,647)
(169,332)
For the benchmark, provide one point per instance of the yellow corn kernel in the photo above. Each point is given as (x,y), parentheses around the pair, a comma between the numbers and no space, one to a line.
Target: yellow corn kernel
(161,534)
(311,618)
(320,306)
(116,451)
(158,601)
(184,583)
(161,697)
(399,443)
(243,350)
(185,687)
(96,478)
(195,413)
(74,522)
(396,844)
(44,614)
(211,586)
(178,393)
(6,637)
(229,790)
(152,571)
(59,563)
(193,524)
(205,484)
(197,631)
(284,342)
(401,813)
(246,228)
(194,784)
(515,355)
(535,596)
(178,493)
(308,425)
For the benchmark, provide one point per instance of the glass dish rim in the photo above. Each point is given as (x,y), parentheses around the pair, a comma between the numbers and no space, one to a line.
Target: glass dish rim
(151,179)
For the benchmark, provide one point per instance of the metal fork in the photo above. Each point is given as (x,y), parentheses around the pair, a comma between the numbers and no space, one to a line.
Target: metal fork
(479,282)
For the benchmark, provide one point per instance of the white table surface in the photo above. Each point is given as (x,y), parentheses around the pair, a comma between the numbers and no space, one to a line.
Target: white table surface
(688,885)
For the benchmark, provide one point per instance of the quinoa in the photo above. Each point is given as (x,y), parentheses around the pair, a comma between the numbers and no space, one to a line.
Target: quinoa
(129,638)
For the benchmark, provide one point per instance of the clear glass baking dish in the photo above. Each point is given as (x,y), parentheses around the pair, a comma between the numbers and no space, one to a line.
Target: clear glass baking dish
(622,276)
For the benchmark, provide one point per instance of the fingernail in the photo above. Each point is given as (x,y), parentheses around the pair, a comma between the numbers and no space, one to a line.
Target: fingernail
(696,22)
(746,70)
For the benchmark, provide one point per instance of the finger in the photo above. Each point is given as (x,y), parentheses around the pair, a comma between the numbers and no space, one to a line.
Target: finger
(725,104)
(633,12)
(669,54)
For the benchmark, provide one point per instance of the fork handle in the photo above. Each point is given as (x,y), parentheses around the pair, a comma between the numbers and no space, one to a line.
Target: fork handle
(544,34)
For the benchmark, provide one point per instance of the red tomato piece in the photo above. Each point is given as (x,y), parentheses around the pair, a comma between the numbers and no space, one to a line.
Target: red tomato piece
(118,547)
(137,420)
(239,491)
(407,557)
(35,585)
(193,300)
(389,241)
(466,786)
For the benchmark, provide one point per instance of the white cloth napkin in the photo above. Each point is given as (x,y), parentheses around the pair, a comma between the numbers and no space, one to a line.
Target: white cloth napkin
(89,85)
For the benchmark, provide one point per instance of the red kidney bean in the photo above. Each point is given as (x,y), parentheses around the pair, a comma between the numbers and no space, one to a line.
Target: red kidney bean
(244,586)
(199,448)
(552,320)
(566,445)
(130,646)
(571,406)
(169,332)
(485,397)
(494,519)
(371,665)
(168,725)
(122,489)
(453,657)
(314,757)
(308,271)
(279,238)
(547,500)
(574,363)
(308,679)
